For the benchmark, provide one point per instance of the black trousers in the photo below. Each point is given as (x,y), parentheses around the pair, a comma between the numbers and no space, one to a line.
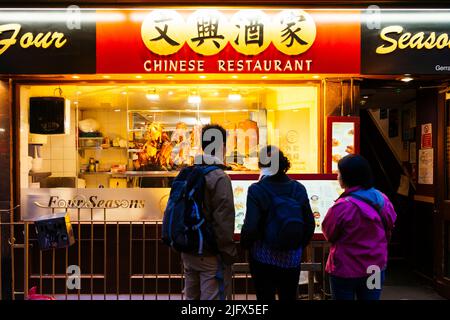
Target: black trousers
(270,280)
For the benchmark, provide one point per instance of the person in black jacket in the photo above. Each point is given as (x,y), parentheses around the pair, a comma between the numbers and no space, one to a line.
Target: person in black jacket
(274,270)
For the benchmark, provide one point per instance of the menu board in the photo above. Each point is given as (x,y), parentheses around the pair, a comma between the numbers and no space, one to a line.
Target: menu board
(321,194)
(342,140)
(342,143)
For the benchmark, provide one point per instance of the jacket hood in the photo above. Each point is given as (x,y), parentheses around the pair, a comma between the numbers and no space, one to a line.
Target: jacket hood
(372,196)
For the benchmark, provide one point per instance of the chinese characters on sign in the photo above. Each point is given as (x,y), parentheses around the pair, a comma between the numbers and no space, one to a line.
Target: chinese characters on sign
(163,32)
(249,32)
(207,32)
(297,30)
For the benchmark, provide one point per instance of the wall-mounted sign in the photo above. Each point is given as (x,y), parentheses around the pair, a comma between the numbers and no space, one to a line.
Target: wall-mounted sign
(208,31)
(213,40)
(425,175)
(53,41)
(402,42)
(342,140)
(228,41)
(426,138)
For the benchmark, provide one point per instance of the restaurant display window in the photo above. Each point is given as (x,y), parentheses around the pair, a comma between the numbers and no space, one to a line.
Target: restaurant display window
(135,138)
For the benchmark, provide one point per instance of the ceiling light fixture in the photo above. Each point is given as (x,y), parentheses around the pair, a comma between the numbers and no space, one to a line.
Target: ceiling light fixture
(194,99)
(234,96)
(152,95)
(407,79)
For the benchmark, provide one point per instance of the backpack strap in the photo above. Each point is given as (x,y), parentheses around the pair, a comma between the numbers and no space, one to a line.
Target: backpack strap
(208,169)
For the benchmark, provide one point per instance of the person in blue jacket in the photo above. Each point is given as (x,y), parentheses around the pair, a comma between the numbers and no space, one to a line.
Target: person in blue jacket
(274,271)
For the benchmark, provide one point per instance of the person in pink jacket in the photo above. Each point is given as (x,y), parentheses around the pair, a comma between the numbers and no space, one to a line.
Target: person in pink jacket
(359,227)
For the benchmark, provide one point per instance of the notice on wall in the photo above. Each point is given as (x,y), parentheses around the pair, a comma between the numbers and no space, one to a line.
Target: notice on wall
(425,166)
(426,136)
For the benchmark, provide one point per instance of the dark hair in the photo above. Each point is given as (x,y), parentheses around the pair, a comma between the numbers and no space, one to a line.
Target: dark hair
(355,171)
(206,143)
(283,162)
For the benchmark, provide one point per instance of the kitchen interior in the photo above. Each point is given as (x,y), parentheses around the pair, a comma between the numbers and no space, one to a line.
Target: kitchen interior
(141,135)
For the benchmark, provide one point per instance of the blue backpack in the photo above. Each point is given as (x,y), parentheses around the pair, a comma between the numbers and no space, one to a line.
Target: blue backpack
(285,226)
(185,228)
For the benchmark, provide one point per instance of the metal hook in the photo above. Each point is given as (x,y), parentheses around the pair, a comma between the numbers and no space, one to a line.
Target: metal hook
(13,241)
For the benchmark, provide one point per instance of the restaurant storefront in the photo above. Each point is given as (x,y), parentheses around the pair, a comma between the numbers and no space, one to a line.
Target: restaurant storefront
(105,107)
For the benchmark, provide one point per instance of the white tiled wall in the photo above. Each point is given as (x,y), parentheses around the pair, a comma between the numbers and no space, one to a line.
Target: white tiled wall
(59,153)
(112,125)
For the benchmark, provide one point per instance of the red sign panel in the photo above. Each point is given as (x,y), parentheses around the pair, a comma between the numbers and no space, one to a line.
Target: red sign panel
(335,49)
(427,138)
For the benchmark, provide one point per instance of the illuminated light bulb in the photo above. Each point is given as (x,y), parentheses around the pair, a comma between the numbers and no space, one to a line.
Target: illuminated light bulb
(407,79)
(194,99)
(234,97)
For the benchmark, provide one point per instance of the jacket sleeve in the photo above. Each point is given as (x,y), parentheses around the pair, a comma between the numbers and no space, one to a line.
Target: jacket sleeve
(250,229)
(222,204)
(331,225)
(308,217)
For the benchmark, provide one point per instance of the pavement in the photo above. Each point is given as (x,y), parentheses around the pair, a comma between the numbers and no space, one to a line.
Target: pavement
(402,283)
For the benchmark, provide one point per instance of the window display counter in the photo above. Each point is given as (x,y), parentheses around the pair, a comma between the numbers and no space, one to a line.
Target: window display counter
(322,189)
(148,204)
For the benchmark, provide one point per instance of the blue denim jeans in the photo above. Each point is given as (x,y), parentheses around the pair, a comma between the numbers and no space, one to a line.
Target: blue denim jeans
(351,288)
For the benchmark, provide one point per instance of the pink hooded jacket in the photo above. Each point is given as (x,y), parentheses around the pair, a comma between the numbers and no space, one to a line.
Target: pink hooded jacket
(357,234)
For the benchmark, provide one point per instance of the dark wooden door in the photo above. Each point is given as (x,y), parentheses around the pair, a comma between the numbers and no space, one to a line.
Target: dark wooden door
(442,214)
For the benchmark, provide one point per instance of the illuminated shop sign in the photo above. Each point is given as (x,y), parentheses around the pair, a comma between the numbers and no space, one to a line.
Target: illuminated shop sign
(98,204)
(225,41)
(249,32)
(46,41)
(208,32)
(28,39)
(230,40)
(400,42)
(91,202)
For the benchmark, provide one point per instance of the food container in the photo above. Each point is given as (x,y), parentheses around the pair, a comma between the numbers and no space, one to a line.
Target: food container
(118,168)
(90,142)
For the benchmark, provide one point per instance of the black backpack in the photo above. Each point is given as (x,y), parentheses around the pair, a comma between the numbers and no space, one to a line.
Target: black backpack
(185,228)
(285,226)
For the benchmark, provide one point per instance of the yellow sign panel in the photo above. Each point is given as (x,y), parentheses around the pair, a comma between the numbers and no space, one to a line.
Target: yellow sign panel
(250,34)
(293,31)
(163,32)
(207,32)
